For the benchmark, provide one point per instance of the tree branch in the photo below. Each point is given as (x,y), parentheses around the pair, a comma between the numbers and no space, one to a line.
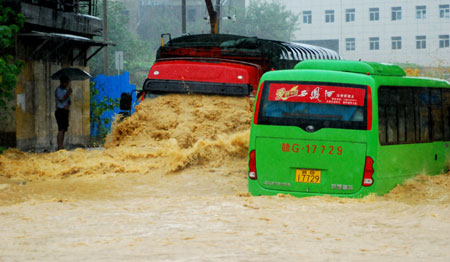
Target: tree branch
(212,16)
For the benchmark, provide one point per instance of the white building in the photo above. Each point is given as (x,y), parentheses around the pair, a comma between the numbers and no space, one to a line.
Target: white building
(398,31)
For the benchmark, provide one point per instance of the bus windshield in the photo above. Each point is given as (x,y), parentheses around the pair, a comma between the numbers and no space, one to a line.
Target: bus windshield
(313,105)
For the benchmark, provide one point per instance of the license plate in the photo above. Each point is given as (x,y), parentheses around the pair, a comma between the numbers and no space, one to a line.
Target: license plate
(307,176)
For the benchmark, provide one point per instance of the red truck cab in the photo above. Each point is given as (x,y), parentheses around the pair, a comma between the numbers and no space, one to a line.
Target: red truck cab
(203,75)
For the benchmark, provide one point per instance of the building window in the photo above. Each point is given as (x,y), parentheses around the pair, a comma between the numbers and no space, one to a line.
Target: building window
(444,41)
(396,42)
(444,11)
(421,42)
(191,14)
(350,44)
(374,14)
(421,12)
(350,15)
(396,13)
(307,17)
(374,43)
(329,16)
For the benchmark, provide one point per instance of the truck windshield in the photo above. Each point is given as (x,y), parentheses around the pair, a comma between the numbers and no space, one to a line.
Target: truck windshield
(313,105)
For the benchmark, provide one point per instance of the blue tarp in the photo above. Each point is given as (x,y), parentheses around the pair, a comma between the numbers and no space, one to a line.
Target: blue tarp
(113,87)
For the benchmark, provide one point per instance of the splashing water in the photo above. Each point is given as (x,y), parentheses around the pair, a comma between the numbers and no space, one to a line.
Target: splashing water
(173,177)
(170,133)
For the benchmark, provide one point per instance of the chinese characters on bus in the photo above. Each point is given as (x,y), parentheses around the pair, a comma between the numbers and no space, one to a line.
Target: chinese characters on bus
(317,94)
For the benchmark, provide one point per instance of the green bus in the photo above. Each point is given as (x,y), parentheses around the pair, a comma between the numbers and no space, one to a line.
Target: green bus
(346,128)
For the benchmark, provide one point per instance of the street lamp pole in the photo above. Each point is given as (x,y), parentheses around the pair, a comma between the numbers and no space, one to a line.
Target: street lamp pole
(183,17)
(105,38)
(218,16)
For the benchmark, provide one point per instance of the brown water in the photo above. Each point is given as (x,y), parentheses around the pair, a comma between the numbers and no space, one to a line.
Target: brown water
(171,186)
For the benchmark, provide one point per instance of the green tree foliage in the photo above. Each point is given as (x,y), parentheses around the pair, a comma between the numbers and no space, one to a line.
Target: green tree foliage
(10,24)
(98,108)
(264,19)
(137,53)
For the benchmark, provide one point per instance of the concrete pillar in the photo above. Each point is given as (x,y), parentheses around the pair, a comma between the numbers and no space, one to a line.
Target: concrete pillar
(25,107)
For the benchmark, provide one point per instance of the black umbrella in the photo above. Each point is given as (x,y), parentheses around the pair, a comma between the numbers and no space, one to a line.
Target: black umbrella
(72,73)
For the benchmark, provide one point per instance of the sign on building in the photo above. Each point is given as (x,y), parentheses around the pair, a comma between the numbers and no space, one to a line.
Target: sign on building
(119,61)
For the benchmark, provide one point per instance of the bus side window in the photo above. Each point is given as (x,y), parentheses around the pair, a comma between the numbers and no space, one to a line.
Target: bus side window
(401,124)
(410,124)
(382,123)
(436,114)
(406,130)
(392,116)
(424,124)
(423,116)
(382,105)
(446,113)
(392,127)
(412,115)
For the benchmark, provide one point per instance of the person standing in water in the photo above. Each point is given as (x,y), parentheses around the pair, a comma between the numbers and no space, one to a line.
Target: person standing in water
(63,101)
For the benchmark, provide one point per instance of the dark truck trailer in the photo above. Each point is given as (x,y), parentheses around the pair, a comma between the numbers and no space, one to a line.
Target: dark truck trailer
(223,64)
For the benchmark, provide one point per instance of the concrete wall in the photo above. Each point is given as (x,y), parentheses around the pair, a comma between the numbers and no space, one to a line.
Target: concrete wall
(7,126)
(32,126)
(35,122)
(62,21)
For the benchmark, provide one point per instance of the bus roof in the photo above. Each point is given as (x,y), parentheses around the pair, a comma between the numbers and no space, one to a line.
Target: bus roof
(369,68)
(384,74)
(356,72)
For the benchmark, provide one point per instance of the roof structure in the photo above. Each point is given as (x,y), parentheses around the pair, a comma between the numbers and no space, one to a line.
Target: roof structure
(298,51)
(361,67)
(280,54)
(47,48)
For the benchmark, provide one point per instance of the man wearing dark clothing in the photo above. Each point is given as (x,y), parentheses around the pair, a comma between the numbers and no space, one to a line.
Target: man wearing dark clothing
(63,101)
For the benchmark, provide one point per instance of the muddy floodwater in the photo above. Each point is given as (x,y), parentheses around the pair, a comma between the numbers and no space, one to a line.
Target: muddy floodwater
(171,185)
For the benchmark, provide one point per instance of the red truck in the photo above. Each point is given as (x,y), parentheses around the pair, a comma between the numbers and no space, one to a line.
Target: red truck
(223,64)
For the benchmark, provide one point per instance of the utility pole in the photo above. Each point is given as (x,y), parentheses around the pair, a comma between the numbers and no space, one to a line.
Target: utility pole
(183,17)
(218,16)
(105,38)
